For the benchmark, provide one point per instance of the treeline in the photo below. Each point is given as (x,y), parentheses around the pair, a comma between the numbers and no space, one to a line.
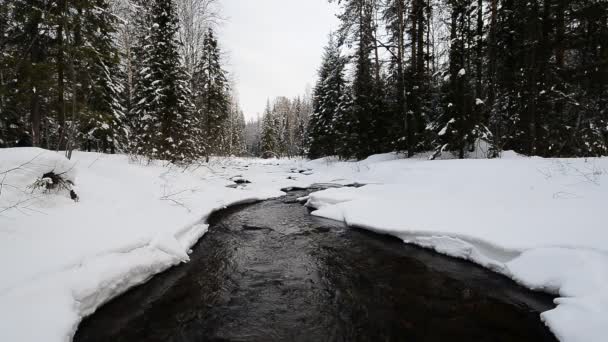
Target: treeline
(136,76)
(282,130)
(444,75)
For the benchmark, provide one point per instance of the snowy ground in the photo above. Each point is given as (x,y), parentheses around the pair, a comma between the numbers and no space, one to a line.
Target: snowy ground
(538,221)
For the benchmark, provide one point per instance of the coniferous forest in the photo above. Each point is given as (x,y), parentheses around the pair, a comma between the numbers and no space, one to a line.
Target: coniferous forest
(451,75)
(135,76)
(447,76)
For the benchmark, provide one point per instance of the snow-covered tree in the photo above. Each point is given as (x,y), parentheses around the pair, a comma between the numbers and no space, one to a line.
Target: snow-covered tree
(235,128)
(237,133)
(212,96)
(103,125)
(163,114)
(253,134)
(327,96)
(270,137)
(302,109)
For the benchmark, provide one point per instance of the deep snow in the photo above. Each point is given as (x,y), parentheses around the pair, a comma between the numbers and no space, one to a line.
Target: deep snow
(538,221)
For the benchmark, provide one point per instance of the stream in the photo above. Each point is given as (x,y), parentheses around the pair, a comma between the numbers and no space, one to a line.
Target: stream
(272,272)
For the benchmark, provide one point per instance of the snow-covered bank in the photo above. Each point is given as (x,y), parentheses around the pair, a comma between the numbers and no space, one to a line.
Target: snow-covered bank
(60,260)
(539,221)
(536,220)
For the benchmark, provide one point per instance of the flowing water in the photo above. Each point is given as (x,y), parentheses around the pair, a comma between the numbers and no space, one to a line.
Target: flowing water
(272,272)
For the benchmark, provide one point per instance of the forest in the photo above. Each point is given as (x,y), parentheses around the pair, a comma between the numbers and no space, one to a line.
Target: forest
(135,76)
(445,75)
(148,78)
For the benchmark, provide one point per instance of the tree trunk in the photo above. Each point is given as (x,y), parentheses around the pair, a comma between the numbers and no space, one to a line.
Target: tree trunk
(492,53)
(375,32)
(401,91)
(559,34)
(414,34)
(35,118)
(35,58)
(60,65)
(413,98)
(479,64)
(420,41)
(429,14)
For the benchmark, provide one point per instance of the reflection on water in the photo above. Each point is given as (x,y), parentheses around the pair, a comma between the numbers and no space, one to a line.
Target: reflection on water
(270,271)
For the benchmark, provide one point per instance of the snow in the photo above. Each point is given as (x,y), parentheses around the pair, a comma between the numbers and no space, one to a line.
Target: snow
(535,220)
(61,260)
(445,128)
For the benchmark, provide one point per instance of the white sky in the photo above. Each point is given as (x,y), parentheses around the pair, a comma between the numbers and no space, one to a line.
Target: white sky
(274,47)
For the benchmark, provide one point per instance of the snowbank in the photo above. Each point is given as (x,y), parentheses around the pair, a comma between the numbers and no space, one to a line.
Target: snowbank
(61,259)
(535,220)
(538,221)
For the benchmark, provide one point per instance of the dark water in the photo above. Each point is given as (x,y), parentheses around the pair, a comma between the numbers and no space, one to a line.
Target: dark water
(270,271)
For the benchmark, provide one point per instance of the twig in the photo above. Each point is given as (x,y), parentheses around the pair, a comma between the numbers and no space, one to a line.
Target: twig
(21,166)
(16,205)
(94,161)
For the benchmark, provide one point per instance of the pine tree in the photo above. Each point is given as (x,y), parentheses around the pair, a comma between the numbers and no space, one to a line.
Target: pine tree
(12,125)
(269,137)
(322,133)
(238,134)
(27,71)
(236,129)
(542,87)
(253,133)
(459,125)
(344,122)
(302,115)
(165,123)
(212,95)
(367,127)
(364,89)
(395,17)
(282,114)
(104,123)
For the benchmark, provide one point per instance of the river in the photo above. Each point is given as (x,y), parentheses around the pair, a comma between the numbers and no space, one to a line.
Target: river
(272,272)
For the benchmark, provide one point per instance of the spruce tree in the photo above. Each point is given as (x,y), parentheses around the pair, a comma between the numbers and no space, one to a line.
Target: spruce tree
(28,79)
(366,131)
(269,135)
(212,98)
(165,124)
(12,123)
(302,117)
(238,146)
(281,112)
(104,123)
(363,88)
(397,88)
(327,95)
(457,126)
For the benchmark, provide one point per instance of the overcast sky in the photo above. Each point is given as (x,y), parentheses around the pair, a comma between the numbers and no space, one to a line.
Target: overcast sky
(274,47)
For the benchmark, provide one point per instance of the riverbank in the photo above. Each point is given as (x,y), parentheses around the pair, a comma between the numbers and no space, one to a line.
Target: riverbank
(270,271)
(536,220)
